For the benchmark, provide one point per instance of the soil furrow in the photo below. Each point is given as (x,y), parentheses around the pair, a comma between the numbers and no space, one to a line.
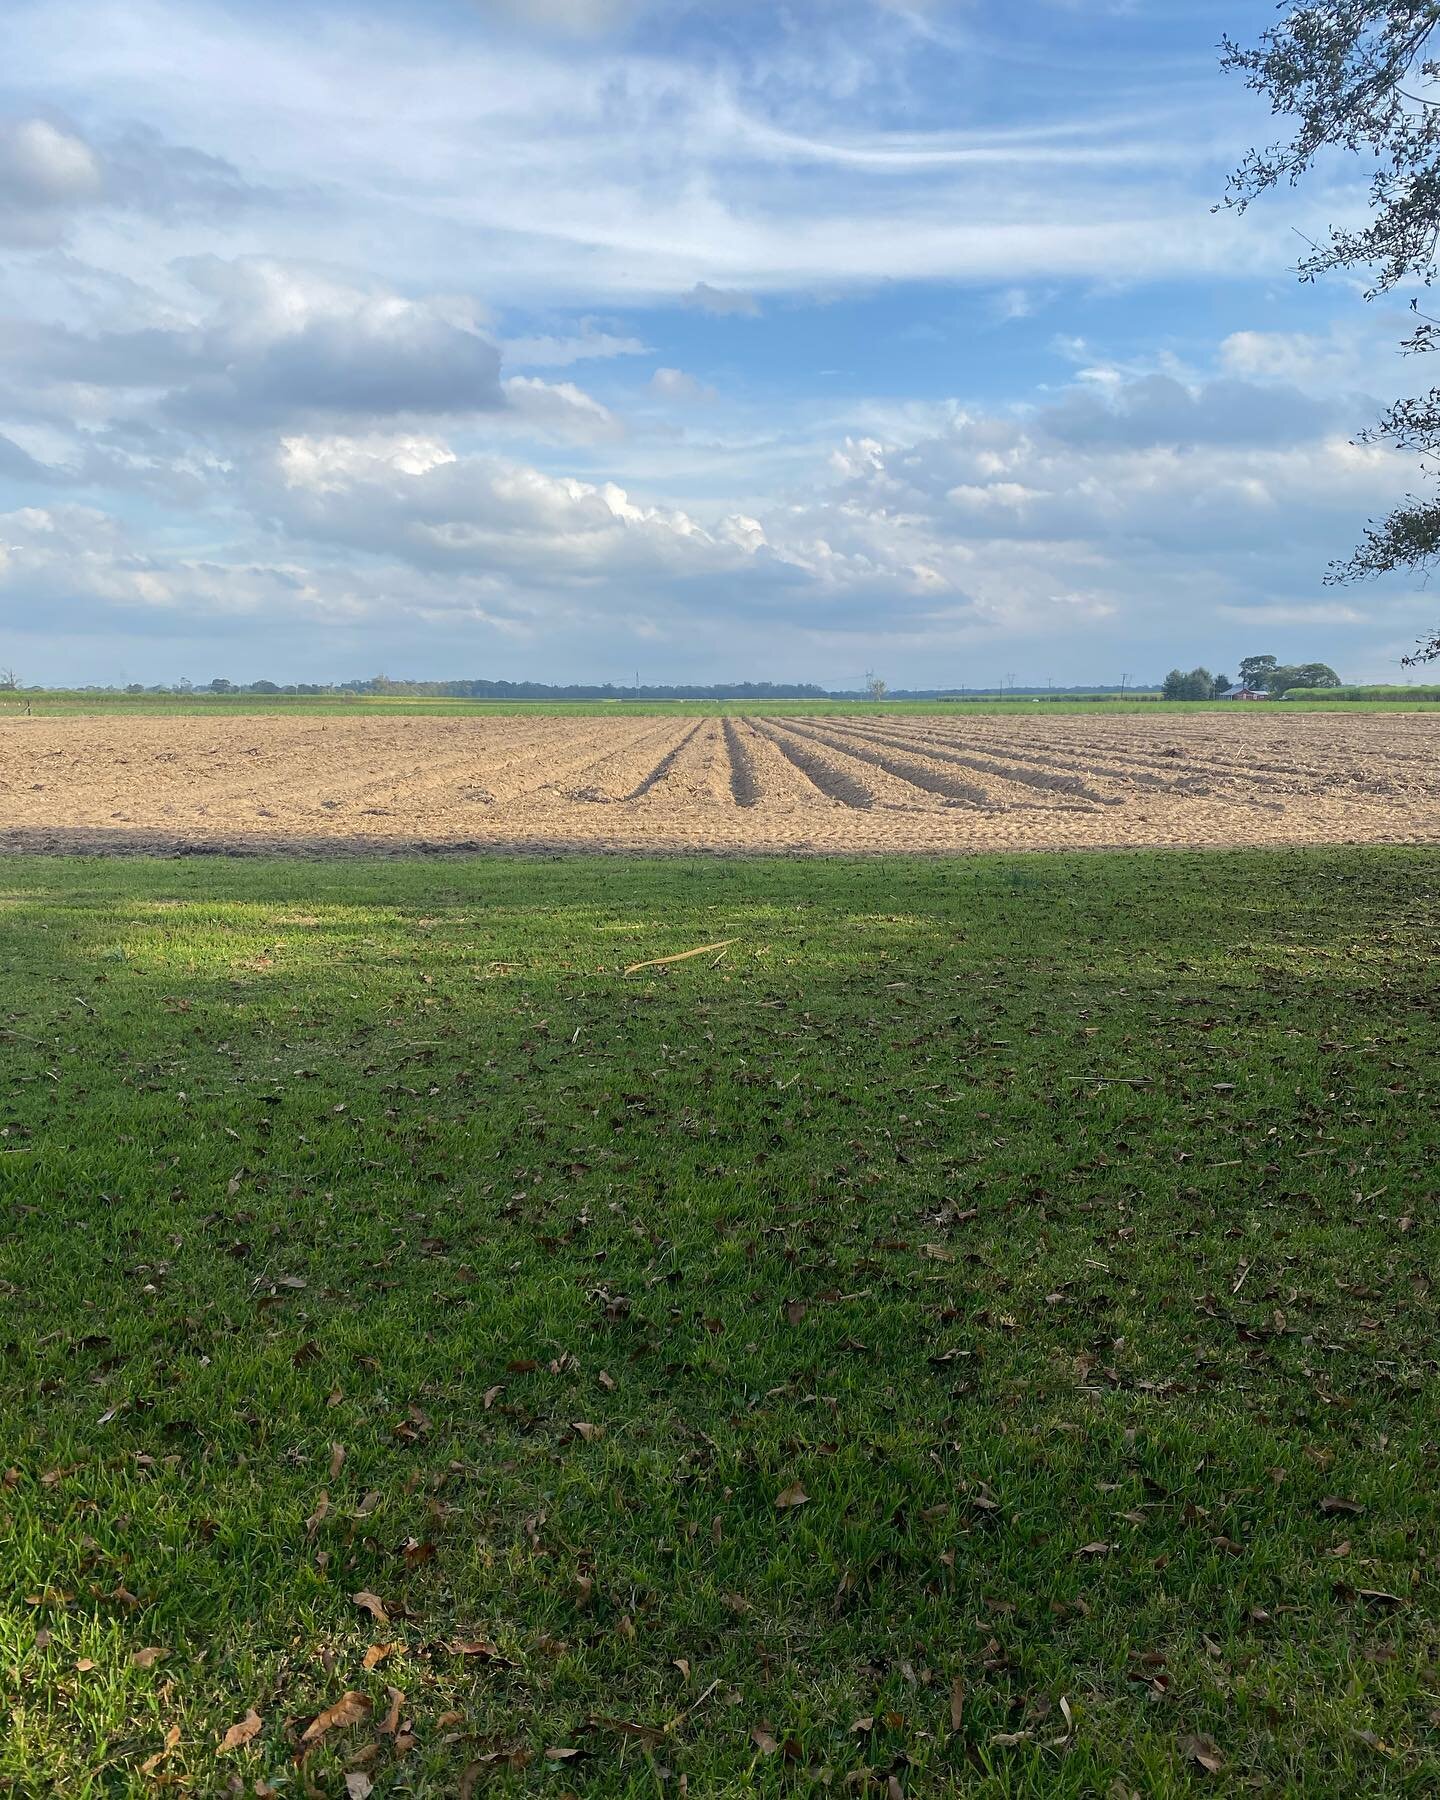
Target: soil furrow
(611,777)
(1068,755)
(744,784)
(880,781)
(1203,762)
(666,764)
(1035,779)
(833,783)
(949,788)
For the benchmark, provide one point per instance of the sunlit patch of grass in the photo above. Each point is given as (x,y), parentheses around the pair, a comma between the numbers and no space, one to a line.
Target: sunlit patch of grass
(1064,1232)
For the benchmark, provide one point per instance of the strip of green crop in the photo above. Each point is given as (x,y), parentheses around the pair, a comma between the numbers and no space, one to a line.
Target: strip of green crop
(122,706)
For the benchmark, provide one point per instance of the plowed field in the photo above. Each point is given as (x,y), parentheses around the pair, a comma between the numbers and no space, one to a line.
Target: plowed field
(861,783)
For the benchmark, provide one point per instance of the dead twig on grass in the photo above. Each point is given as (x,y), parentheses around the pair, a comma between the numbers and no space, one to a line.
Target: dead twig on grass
(660,962)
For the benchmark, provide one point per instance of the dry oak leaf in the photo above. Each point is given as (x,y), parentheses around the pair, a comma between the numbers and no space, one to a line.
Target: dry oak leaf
(349,1709)
(473,1647)
(1204,1751)
(584,1429)
(390,1724)
(358,1785)
(373,1604)
(152,1763)
(238,1736)
(148,1657)
(793,1496)
(376,1654)
(1332,1504)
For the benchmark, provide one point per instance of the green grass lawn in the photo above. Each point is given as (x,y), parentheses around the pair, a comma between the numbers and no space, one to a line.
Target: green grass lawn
(977,1333)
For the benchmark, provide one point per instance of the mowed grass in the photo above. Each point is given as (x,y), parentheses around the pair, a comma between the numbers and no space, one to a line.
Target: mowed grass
(975,1334)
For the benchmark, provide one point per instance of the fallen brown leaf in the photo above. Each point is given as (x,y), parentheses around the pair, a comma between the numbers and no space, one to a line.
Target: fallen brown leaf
(348,1710)
(373,1604)
(390,1724)
(480,1647)
(238,1736)
(148,1657)
(793,1496)
(1204,1751)
(376,1654)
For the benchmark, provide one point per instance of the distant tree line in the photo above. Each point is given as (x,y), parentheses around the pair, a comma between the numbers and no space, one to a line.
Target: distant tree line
(1263,673)
(874,689)
(1383,691)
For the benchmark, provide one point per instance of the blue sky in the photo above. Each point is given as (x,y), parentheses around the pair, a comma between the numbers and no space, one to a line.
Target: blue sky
(565,338)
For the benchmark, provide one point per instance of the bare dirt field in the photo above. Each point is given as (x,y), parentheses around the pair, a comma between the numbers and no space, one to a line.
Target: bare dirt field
(813,785)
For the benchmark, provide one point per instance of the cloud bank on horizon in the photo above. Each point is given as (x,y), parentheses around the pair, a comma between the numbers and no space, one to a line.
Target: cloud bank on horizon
(563,338)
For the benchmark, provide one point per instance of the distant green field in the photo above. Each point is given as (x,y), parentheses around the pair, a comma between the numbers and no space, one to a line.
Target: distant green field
(974,1333)
(249,705)
(1302,695)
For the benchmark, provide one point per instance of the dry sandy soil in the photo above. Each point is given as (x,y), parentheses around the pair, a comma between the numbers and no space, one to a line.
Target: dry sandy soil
(875,782)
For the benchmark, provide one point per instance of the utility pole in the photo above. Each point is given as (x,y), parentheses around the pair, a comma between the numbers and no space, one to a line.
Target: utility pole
(1123,680)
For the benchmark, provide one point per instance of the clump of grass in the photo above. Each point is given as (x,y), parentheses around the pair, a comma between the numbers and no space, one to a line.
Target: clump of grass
(970,1333)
